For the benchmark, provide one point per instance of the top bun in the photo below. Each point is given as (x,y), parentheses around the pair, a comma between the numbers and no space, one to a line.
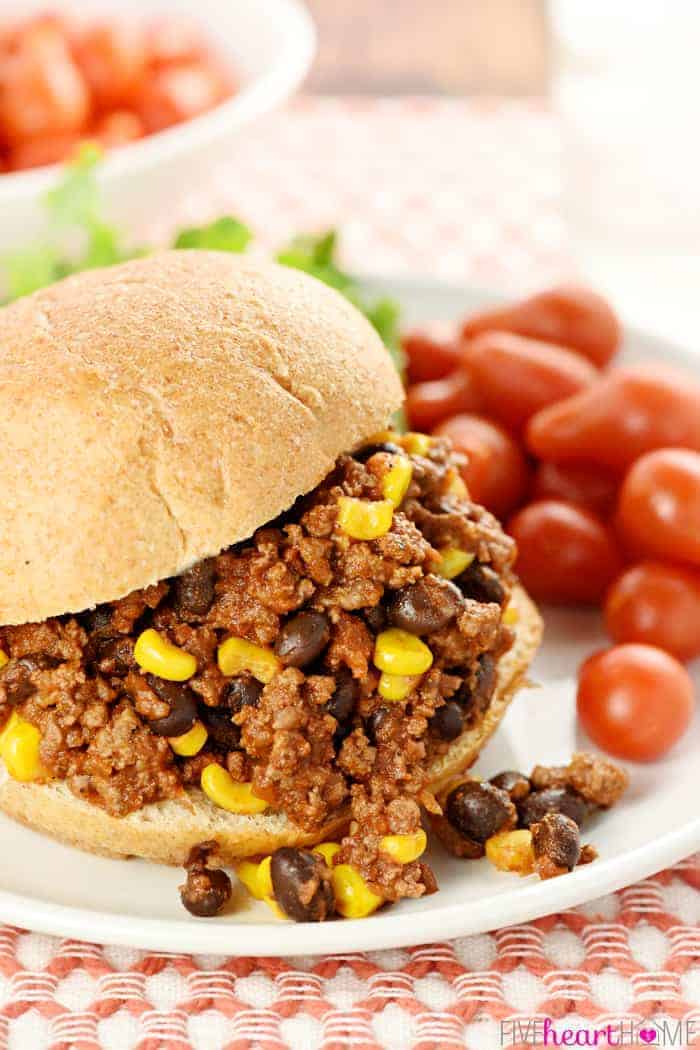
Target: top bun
(153,413)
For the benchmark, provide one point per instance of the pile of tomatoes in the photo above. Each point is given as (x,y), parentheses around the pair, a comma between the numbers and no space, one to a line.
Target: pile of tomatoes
(110,81)
(595,470)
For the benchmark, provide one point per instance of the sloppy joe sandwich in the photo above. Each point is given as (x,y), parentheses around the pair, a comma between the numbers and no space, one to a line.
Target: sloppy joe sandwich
(235,607)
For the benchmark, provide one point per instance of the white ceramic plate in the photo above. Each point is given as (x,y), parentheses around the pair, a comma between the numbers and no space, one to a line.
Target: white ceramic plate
(48,887)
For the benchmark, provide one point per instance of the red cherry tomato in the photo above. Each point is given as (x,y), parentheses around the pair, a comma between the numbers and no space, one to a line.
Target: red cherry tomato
(565,554)
(577,318)
(112,58)
(634,701)
(427,404)
(432,352)
(119,128)
(177,93)
(516,377)
(174,40)
(659,508)
(47,149)
(496,472)
(41,90)
(628,412)
(586,484)
(656,604)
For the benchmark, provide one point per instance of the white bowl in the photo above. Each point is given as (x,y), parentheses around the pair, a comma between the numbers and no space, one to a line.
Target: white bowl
(270,44)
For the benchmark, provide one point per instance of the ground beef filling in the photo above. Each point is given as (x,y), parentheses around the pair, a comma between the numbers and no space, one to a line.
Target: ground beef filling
(318,735)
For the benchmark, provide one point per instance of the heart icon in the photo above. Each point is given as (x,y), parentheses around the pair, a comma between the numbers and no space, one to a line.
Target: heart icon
(647,1035)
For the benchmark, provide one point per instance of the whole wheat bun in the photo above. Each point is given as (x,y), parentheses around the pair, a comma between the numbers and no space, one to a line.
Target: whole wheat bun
(153,413)
(165,831)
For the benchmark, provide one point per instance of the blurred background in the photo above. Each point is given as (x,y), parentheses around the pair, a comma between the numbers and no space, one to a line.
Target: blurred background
(623,167)
(473,47)
(498,143)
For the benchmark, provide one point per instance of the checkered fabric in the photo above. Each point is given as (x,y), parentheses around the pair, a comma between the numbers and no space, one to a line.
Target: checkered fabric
(461,191)
(465,192)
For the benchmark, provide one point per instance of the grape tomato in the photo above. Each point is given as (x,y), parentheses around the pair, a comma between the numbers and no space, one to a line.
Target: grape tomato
(565,554)
(656,604)
(428,403)
(516,377)
(571,316)
(496,472)
(634,701)
(585,484)
(630,411)
(432,352)
(659,507)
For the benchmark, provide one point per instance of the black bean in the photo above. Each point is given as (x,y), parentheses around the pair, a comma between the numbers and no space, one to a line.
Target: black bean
(556,838)
(478,810)
(183,707)
(221,729)
(193,592)
(376,618)
(374,723)
(97,620)
(425,606)
(16,675)
(342,704)
(302,884)
(516,784)
(205,890)
(448,721)
(475,692)
(552,800)
(302,639)
(241,692)
(481,584)
(363,454)
(111,656)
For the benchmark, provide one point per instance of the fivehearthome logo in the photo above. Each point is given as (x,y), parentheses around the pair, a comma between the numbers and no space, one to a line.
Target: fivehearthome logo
(545,1032)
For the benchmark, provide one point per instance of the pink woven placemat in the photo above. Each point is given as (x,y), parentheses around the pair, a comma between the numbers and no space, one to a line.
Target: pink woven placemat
(467,193)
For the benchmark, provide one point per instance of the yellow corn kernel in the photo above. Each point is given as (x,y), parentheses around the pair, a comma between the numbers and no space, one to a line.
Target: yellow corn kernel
(256,878)
(156,654)
(10,724)
(236,655)
(510,615)
(457,488)
(353,897)
(19,748)
(399,652)
(3,658)
(380,437)
(511,851)
(191,742)
(328,851)
(405,848)
(396,480)
(417,444)
(218,785)
(396,686)
(453,561)
(365,519)
(275,908)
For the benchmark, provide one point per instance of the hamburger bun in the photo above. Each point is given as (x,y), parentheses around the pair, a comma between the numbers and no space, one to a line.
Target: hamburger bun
(153,413)
(166,831)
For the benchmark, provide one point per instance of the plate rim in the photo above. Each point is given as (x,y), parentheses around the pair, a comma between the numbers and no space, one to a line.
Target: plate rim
(378,932)
(383,930)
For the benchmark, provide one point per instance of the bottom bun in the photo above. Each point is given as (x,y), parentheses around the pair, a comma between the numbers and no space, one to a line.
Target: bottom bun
(166,831)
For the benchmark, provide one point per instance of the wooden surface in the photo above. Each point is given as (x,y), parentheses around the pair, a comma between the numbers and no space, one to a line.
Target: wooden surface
(430,46)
